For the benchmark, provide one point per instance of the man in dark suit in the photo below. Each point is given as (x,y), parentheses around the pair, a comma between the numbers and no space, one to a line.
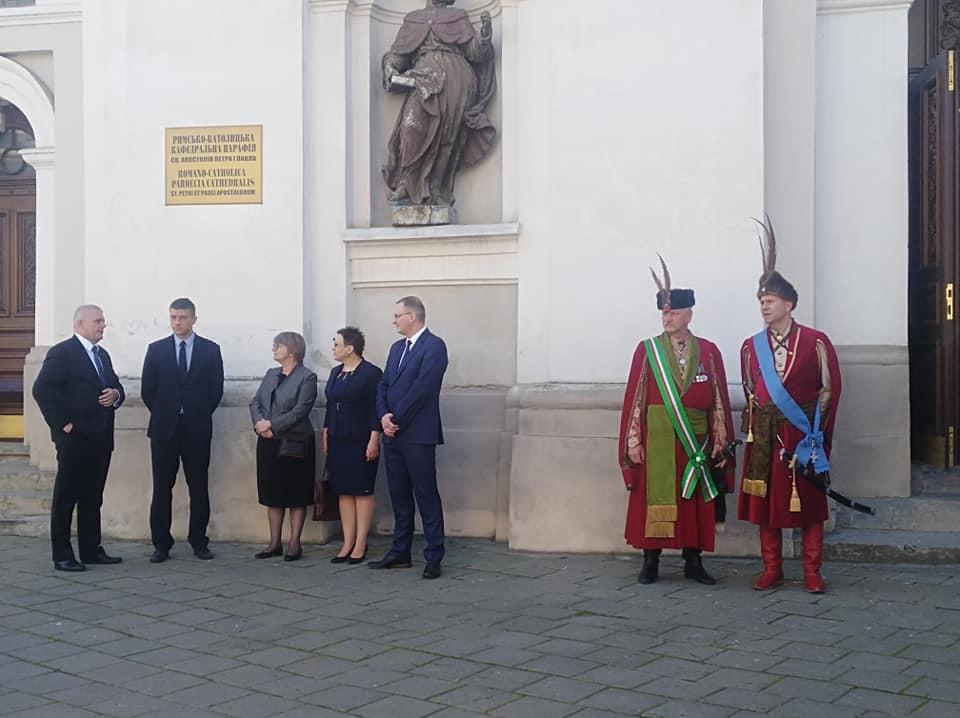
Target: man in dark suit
(182,385)
(78,393)
(408,404)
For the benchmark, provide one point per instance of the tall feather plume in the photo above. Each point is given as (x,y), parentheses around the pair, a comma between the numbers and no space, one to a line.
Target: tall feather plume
(663,286)
(768,245)
(666,275)
(656,279)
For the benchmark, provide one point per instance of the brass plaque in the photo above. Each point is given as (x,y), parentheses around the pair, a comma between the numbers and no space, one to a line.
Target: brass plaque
(214,165)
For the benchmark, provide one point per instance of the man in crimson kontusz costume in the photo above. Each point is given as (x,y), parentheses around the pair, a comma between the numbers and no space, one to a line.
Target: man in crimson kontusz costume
(674,428)
(791,379)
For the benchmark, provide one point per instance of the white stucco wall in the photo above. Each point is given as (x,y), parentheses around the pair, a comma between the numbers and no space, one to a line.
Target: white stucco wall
(640,131)
(149,66)
(861,160)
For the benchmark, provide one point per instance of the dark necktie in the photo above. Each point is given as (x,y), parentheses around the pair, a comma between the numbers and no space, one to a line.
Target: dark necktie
(406,347)
(98,363)
(182,360)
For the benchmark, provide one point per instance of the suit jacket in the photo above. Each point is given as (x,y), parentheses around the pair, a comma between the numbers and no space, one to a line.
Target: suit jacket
(67,391)
(352,401)
(411,392)
(165,394)
(287,404)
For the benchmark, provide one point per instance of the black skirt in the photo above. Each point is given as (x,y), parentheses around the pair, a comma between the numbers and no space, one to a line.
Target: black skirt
(348,471)
(283,482)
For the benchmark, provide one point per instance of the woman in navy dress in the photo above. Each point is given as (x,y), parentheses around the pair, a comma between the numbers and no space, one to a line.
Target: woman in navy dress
(351,440)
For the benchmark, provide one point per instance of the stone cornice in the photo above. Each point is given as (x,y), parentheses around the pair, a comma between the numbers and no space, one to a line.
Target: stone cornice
(376,10)
(832,7)
(510,230)
(324,6)
(47,13)
(40,158)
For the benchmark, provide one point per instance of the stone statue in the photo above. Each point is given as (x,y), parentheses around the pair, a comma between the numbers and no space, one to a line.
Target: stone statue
(447,72)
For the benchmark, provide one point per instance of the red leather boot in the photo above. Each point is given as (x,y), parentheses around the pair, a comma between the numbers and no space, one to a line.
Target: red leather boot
(813,558)
(771,549)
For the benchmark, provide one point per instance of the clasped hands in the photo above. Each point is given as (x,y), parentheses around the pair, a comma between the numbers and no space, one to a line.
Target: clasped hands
(389,428)
(264,428)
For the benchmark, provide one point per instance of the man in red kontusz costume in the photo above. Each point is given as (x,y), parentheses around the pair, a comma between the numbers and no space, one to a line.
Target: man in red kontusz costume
(791,378)
(674,428)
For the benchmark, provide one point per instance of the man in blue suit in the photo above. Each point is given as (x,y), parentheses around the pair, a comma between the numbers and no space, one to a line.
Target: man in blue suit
(182,385)
(408,404)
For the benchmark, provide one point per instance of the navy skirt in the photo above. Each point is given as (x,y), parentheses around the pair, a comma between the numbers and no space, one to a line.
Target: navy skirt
(348,471)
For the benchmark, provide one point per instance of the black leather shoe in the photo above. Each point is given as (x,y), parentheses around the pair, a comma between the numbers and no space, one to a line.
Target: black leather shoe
(650,571)
(432,570)
(343,559)
(359,559)
(693,568)
(159,556)
(294,556)
(69,565)
(392,560)
(204,554)
(103,557)
(270,553)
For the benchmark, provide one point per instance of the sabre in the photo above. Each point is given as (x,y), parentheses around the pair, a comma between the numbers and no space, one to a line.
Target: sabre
(824,488)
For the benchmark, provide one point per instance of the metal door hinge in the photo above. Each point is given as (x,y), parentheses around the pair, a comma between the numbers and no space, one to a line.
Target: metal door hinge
(951,71)
(948,300)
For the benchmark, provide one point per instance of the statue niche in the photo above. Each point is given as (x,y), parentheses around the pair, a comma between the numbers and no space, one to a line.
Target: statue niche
(446,69)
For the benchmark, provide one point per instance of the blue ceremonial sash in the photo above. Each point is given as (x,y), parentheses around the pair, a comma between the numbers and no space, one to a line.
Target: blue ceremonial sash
(810,449)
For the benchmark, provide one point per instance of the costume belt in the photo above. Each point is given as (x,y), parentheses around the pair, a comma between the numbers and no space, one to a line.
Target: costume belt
(769,419)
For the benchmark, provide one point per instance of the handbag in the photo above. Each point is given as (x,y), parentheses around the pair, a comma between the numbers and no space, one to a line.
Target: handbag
(293,445)
(326,505)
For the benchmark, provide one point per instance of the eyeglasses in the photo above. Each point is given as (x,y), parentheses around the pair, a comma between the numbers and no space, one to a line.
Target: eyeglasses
(397,316)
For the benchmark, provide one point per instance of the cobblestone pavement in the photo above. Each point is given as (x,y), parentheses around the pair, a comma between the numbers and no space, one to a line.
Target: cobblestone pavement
(500,634)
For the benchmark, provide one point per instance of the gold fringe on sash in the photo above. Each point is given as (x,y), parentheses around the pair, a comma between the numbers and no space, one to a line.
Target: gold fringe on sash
(661,513)
(660,529)
(755,487)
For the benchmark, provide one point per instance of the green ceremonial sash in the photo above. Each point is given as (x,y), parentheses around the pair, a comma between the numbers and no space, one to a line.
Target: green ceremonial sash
(697,467)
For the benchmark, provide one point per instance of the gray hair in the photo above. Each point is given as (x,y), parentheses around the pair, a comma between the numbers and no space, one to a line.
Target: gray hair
(83,309)
(413,304)
(294,342)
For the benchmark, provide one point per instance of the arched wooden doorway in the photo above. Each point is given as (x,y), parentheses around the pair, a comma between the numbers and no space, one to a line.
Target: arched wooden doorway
(18,264)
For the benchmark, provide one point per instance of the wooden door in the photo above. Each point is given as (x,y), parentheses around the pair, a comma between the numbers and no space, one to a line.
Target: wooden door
(933,261)
(18,255)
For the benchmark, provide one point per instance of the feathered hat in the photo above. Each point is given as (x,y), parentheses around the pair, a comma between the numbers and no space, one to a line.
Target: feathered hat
(668,298)
(771,281)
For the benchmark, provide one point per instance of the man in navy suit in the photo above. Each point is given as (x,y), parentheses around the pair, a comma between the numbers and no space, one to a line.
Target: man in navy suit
(78,393)
(182,385)
(408,404)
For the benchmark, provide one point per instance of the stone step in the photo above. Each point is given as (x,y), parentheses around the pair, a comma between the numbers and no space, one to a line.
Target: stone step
(25,502)
(13,448)
(892,546)
(34,525)
(917,513)
(929,481)
(21,475)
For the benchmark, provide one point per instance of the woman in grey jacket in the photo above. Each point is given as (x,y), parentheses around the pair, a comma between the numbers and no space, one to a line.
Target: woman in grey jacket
(286,453)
